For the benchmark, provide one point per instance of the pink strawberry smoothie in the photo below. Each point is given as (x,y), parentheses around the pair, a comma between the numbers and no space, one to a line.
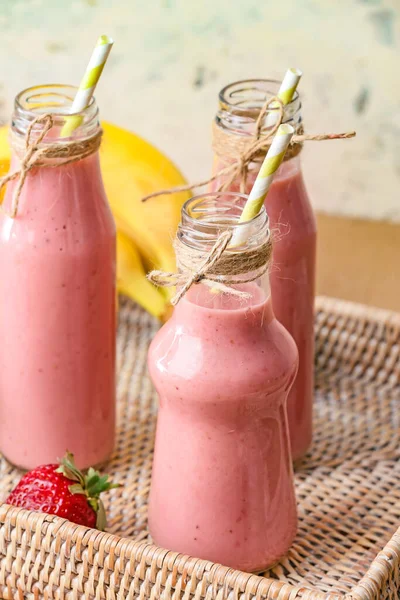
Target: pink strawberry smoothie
(57,318)
(222,484)
(292,279)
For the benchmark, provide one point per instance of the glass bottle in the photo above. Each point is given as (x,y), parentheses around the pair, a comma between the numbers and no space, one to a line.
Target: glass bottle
(222,483)
(292,221)
(57,314)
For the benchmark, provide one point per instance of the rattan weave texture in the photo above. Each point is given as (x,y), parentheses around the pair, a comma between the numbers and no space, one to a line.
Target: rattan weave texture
(348,489)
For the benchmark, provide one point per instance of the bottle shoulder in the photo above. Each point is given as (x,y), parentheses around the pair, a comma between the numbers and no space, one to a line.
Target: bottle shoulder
(264,357)
(59,207)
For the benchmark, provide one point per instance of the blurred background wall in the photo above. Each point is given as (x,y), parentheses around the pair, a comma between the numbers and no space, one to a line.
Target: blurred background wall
(171,57)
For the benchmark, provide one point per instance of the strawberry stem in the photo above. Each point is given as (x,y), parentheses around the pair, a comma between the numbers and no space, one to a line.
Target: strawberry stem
(92,485)
(70,470)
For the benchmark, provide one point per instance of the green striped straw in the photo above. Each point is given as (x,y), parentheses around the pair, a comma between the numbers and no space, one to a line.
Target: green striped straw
(286,92)
(289,85)
(262,184)
(88,84)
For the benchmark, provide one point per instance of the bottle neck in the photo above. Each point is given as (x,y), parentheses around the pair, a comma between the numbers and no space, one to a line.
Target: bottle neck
(55,100)
(240,104)
(40,139)
(205,221)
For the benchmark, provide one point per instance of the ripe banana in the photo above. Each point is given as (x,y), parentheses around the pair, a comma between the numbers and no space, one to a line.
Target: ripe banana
(131,169)
(4,151)
(131,278)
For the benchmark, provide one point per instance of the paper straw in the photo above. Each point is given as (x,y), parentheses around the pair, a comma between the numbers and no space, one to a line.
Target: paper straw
(289,85)
(263,181)
(286,92)
(88,84)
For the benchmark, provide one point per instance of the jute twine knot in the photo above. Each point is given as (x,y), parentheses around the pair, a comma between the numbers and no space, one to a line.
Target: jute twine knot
(242,151)
(214,268)
(33,155)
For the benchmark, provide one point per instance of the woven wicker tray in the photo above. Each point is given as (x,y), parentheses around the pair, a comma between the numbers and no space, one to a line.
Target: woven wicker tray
(348,489)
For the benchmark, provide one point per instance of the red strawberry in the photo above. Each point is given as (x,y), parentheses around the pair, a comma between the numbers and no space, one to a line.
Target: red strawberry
(64,491)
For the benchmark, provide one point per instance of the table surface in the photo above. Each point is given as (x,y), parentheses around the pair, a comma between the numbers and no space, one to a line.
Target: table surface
(358,261)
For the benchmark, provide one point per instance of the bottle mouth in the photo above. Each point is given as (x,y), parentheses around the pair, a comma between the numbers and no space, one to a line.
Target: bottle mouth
(240,103)
(206,216)
(250,94)
(55,99)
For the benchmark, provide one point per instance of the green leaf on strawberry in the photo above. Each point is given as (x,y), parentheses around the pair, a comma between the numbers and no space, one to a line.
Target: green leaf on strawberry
(68,493)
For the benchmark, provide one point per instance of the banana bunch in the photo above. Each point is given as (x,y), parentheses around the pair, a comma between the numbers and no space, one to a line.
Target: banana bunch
(133,168)
(131,278)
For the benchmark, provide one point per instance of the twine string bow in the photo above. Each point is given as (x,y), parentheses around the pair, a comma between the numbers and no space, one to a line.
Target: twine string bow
(215,268)
(35,155)
(242,151)
(28,161)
